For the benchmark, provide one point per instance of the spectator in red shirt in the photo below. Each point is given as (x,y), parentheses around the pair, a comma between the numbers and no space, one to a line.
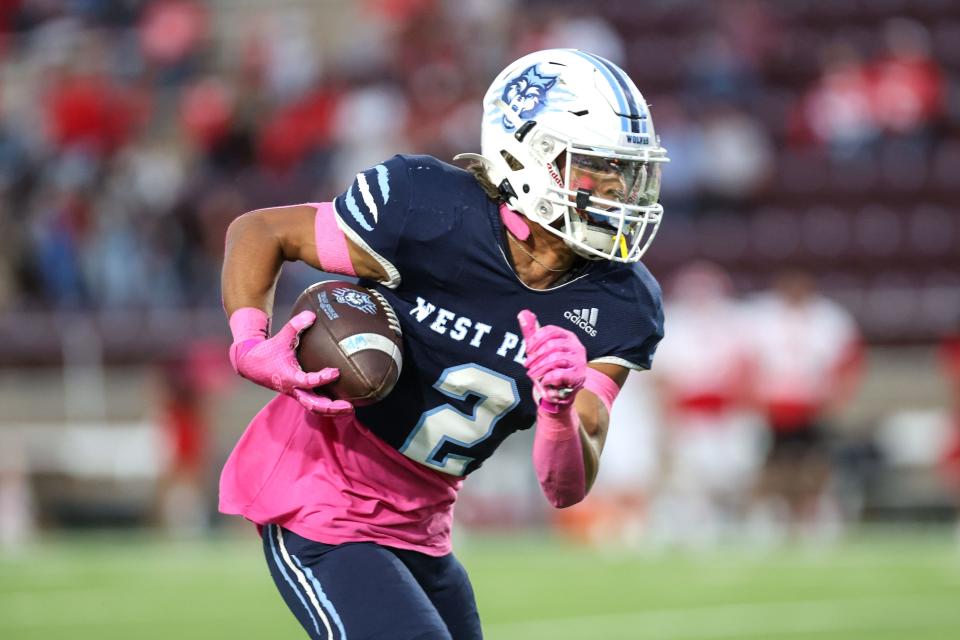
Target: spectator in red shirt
(907,84)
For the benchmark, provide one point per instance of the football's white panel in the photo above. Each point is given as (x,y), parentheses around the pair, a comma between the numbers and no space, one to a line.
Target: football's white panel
(363,341)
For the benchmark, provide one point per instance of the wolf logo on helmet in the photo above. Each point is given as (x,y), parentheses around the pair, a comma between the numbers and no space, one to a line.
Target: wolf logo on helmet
(526,94)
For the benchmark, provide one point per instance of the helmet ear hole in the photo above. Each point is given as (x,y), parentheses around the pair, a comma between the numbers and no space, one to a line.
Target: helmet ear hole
(511,160)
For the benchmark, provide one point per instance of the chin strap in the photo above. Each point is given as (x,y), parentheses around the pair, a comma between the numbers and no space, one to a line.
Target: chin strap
(514,222)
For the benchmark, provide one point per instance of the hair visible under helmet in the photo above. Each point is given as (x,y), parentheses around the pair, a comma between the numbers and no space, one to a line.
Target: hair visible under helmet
(559,112)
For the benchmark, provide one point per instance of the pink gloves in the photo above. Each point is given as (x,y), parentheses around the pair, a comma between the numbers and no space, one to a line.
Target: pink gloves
(272,362)
(556,362)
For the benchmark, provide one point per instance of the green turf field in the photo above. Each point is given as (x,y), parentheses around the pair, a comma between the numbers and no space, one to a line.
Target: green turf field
(877,589)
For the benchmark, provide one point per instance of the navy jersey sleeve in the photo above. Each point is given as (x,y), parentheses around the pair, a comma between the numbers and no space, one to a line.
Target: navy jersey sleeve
(400,211)
(642,357)
(373,212)
(641,325)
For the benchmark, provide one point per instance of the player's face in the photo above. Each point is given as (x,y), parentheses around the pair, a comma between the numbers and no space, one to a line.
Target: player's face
(618,181)
(600,176)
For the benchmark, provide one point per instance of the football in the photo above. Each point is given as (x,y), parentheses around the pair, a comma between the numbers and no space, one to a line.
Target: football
(356,331)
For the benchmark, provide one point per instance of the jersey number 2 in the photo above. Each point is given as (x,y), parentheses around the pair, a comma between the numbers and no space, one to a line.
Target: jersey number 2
(443,430)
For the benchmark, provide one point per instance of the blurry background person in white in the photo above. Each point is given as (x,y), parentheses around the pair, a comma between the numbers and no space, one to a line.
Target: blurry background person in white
(710,448)
(806,360)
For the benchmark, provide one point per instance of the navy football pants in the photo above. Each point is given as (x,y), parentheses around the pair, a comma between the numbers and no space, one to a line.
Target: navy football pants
(364,591)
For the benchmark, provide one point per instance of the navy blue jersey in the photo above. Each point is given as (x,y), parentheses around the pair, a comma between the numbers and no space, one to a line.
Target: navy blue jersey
(463,388)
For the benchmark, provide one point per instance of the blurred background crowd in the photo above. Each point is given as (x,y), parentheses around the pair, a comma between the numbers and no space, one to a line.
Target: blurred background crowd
(810,252)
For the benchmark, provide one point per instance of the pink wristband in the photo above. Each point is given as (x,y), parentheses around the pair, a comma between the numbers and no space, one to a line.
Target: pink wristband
(249,326)
(332,250)
(249,322)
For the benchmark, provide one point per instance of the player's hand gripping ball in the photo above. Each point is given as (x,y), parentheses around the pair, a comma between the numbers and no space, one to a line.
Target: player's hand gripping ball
(556,362)
(272,362)
(356,332)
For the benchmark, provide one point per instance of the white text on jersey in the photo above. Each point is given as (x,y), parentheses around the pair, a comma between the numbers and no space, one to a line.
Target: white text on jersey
(586,319)
(459,327)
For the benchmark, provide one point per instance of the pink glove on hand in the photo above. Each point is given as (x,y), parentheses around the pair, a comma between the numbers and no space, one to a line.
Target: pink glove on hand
(272,362)
(556,362)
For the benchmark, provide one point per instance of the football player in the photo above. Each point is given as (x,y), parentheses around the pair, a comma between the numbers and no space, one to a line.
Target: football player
(522,301)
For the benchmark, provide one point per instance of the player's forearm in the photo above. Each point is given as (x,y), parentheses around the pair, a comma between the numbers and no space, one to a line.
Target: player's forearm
(591,459)
(251,265)
(560,456)
(593,411)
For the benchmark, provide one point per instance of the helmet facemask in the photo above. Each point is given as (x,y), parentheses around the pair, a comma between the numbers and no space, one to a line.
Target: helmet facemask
(608,202)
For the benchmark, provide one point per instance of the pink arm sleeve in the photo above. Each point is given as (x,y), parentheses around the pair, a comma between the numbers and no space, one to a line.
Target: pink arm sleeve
(603,386)
(558,457)
(558,451)
(332,251)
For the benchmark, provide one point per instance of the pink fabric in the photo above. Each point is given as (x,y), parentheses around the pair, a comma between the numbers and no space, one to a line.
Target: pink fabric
(601,385)
(272,362)
(514,222)
(249,322)
(332,250)
(556,361)
(322,405)
(248,327)
(558,457)
(332,481)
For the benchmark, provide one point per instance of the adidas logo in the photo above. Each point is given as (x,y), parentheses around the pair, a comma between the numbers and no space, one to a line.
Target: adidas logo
(586,319)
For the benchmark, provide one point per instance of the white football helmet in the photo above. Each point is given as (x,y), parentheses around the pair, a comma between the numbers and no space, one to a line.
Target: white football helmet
(569,141)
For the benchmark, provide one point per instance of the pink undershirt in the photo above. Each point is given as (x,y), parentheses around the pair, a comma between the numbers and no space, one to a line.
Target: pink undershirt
(330,479)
